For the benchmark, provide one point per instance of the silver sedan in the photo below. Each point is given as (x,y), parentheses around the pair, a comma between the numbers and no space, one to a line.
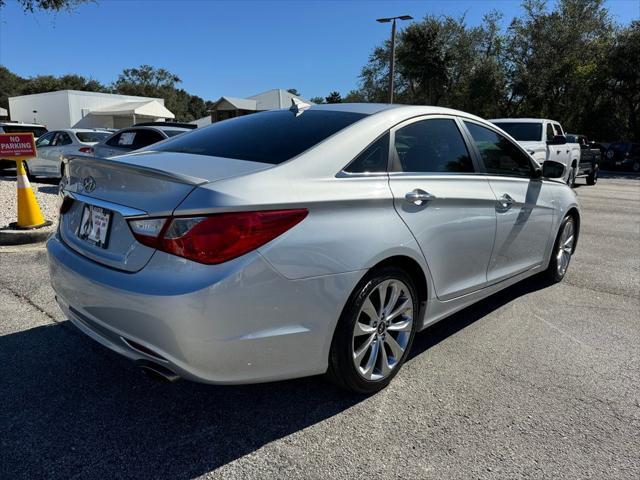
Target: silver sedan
(56,146)
(292,243)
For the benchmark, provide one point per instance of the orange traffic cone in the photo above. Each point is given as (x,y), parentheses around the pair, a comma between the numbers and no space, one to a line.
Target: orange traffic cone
(29,214)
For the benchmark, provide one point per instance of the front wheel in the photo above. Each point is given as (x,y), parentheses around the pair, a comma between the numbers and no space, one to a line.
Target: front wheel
(562,250)
(571,181)
(592,178)
(375,331)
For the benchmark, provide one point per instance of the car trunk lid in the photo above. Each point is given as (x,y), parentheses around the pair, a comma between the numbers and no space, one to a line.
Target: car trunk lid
(132,186)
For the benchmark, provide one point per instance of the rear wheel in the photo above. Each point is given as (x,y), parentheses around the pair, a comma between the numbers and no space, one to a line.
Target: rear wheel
(636,167)
(375,331)
(592,178)
(562,250)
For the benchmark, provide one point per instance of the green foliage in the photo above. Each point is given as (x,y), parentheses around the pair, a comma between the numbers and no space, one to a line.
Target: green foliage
(333,97)
(50,5)
(570,63)
(317,100)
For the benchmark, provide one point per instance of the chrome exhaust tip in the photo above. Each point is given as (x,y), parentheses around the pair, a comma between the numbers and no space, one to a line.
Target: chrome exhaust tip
(157,372)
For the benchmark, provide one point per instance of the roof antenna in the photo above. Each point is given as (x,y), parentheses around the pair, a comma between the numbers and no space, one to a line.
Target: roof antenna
(298,107)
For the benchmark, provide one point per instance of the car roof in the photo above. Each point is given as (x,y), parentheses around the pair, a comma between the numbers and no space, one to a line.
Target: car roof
(522,120)
(18,124)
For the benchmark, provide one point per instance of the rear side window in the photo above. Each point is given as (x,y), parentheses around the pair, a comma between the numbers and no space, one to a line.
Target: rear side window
(268,137)
(432,146)
(523,132)
(500,156)
(143,138)
(374,159)
(173,133)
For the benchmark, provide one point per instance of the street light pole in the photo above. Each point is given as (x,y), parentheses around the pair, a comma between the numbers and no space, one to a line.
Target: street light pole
(392,60)
(392,57)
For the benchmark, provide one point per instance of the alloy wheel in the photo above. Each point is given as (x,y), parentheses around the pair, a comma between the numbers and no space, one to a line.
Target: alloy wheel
(382,330)
(565,248)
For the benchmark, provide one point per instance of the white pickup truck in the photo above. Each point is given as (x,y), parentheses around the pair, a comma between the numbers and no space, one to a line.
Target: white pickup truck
(544,140)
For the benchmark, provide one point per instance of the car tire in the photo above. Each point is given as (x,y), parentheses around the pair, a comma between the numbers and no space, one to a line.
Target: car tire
(635,168)
(370,344)
(592,178)
(563,249)
(571,181)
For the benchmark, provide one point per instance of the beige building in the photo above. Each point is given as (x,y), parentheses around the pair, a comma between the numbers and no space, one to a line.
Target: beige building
(230,107)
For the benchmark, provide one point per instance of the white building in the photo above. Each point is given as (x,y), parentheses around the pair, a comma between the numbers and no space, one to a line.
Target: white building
(77,109)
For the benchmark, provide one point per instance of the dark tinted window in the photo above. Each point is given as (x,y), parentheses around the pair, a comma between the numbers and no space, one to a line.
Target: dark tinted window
(37,131)
(523,132)
(373,159)
(143,138)
(499,155)
(550,132)
(115,140)
(268,137)
(432,146)
(63,139)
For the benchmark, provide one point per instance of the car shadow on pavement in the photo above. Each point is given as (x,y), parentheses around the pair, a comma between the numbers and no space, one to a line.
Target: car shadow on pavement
(71,408)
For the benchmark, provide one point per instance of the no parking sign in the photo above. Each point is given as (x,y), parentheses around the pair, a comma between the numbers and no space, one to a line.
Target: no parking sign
(17,146)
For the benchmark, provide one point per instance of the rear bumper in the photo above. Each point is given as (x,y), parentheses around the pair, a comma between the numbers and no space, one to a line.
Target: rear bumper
(239,322)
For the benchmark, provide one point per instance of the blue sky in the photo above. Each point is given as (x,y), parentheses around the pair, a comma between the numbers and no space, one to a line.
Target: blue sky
(225,48)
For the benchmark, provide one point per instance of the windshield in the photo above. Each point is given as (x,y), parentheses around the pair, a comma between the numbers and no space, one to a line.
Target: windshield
(523,132)
(92,137)
(267,137)
(37,131)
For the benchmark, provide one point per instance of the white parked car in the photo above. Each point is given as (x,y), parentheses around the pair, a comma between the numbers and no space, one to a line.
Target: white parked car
(14,127)
(53,147)
(545,140)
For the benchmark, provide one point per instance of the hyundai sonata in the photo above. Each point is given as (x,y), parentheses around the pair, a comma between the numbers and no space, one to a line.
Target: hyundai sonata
(304,241)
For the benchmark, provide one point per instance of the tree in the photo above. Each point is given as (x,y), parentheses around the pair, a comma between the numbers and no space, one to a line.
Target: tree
(624,76)
(317,100)
(145,80)
(334,97)
(50,5)
(293,91)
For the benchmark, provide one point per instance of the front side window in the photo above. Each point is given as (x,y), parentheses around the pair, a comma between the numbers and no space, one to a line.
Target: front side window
(550,132)
(431,146)
(374,159)
(143,138)
(499,155)
(45,140)
(268,137)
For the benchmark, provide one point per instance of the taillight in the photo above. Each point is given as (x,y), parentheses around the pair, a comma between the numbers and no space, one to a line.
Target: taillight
(86,149)
(215,238)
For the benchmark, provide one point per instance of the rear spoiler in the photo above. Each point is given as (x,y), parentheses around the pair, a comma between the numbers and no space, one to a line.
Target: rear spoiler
(138,169)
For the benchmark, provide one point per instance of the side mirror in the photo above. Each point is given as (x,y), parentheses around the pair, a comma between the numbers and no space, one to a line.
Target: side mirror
(551,169)
(557,140)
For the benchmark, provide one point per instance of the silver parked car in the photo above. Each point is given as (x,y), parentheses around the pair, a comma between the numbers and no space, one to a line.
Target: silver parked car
(53,147)
(129,139)
(292,243)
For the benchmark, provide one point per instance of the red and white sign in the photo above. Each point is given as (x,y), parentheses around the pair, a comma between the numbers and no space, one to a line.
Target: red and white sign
(17,145)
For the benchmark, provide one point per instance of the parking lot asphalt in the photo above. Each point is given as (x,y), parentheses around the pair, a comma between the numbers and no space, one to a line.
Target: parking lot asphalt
(534,382)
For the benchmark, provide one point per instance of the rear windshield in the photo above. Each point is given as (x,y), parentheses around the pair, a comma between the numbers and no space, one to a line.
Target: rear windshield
(92,137)
(268,137)
(523,132)
(37,131)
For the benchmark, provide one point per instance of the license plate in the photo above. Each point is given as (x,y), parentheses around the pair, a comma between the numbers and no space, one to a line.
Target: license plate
(94,226)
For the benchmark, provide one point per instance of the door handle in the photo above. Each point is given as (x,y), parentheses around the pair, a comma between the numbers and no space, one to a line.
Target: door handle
(418,197)
(558,152)
(505,201)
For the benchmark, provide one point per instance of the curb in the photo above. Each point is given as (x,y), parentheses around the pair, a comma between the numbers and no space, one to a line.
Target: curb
(25,237)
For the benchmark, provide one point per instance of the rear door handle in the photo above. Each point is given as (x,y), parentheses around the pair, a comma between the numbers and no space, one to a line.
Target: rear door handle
(505,201)
(418,196)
